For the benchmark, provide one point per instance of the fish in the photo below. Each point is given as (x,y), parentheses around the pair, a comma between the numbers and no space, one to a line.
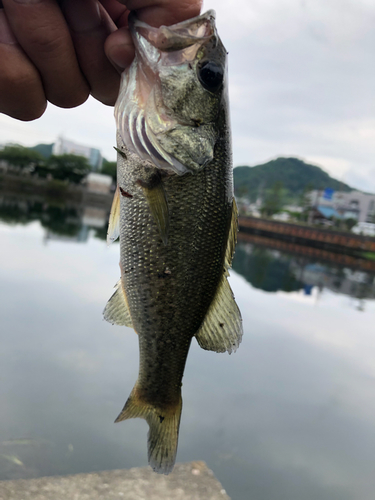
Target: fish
(175,215)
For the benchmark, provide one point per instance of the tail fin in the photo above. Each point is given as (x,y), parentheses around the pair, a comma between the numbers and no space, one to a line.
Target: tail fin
(163,430)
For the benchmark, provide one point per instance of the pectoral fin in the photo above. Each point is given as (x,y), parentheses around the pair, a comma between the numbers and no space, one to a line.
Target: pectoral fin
(114,218)
(117,311)
(157,201)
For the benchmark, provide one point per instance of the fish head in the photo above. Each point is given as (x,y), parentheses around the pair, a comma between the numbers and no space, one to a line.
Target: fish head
(173,94)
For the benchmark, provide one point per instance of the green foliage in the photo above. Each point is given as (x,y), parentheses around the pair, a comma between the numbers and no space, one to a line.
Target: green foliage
(369,255)
(61,220)
(69,167)
(350,223)
(19,156)
(72,168)
(273,200)
(58,219)
(109,168)
(295,175)
(264,271)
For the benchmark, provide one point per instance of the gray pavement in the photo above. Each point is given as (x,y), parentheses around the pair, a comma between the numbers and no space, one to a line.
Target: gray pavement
(190,481)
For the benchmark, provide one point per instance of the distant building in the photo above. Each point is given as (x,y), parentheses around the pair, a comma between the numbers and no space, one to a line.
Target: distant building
(94,217)
(347,205)
(98,183)
(365,228)
(63,146)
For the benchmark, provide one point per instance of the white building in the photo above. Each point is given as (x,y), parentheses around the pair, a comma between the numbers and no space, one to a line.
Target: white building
(98,183)
(63,146)
(350,205)
(365,228)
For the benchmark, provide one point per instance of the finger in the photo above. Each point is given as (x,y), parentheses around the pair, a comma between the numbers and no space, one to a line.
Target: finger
(90,25)
(117,12)
(167,12)
(42,32)
(21,90)
(119,48)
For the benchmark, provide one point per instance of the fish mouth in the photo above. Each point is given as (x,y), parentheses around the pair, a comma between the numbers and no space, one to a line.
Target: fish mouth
(150,41)
(154,48)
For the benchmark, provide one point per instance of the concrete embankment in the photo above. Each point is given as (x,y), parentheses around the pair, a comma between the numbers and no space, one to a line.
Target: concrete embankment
(335,241)
(191,481)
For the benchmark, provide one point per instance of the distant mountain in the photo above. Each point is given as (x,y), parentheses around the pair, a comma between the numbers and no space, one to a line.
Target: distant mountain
(44,149)
(295,175)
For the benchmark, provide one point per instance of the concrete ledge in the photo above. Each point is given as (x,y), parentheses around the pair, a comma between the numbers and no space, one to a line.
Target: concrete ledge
(191,481)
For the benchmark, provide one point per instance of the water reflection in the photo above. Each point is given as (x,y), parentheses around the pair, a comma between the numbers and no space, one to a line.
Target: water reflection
(289,416)
(272,270)
(63,220)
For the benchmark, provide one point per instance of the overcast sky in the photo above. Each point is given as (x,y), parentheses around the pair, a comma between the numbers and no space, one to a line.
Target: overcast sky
(302,83)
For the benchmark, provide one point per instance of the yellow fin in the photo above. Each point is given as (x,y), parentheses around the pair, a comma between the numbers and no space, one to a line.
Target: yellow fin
(232,237)
(114,218)
(117,311)
(163,431)
(221,329)
(157,202)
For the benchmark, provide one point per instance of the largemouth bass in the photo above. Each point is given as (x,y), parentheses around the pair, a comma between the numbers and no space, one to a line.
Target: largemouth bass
(175,214)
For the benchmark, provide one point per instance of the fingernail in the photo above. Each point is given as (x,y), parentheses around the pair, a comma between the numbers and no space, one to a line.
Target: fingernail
(83,15)
(6,35)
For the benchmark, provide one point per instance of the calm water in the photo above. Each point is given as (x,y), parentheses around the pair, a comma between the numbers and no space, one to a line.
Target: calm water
(290,416)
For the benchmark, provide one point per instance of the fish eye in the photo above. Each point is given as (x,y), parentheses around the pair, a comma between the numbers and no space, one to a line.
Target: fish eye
(211,76)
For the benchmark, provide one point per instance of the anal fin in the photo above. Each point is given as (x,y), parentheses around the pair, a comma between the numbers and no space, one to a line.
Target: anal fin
(221,329)
(117,311)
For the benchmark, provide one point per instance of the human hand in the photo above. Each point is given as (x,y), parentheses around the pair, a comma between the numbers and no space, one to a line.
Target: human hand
(62,51)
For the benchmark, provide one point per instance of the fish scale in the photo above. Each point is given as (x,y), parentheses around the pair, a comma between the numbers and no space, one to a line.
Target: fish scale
(194,258)
(177,226)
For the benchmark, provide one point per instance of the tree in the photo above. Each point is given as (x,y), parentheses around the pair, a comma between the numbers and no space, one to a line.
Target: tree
(273,200)
(72,168)
(350,223)
(109,168)
(19,156)
(305,202)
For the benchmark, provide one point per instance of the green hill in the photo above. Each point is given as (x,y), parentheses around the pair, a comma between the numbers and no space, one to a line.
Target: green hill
(294,174)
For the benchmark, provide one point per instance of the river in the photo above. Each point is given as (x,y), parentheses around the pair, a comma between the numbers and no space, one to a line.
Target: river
(289,416)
